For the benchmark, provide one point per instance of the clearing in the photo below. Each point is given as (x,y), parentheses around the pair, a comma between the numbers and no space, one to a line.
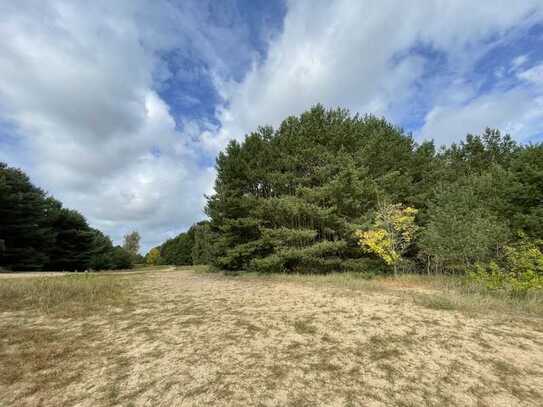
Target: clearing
(188,338)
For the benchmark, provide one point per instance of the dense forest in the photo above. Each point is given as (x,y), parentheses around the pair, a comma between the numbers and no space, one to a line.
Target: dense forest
(325,191)
(38,233)
(328,191)
(187,248)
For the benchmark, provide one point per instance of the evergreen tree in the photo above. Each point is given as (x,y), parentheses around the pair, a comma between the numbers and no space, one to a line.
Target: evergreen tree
(37,233)
(203,241)
(74,239)
(24,222)
(291,199)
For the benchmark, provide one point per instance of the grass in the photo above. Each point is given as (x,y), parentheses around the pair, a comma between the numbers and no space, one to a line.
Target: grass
(304,327)
(435,301)
(456,293)
(54,349)
(173,337)
(67,294)
(438,292)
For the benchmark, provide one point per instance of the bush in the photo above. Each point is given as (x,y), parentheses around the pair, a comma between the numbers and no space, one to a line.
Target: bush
(517,273)
(270,264)
(120,259)
(367,266)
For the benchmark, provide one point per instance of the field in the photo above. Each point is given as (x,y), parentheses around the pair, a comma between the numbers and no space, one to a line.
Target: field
(184,337)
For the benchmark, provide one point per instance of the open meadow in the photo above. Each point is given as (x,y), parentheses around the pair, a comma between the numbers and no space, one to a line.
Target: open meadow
(186,337)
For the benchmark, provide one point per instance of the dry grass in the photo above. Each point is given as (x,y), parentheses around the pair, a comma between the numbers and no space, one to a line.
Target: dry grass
(189,338)
(67,294)
(440,292)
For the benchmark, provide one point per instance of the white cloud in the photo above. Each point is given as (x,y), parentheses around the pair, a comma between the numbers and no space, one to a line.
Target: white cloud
(346,53)
(534,74)
(515,112)
(77,84)
(519,61)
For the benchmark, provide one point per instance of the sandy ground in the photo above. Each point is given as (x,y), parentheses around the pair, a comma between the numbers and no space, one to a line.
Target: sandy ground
(209,340)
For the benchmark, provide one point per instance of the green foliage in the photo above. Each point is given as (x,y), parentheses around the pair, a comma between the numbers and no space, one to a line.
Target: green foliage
(203,243)
(178,251)
(37,233)
(194,246)
(120,259)
(24,222)
(465,224)
(289,200)
(318,178)
(517,272)
(73,243)
(268,264)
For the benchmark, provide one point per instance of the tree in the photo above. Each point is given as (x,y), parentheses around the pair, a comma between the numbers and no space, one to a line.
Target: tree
(37,233)
(153,256)
(527,198)
(120,258)
(203,243)
(178,251)
(289,199)
(73,240)
(132,243)
(464,225)
(392,233)
(101,254)
(24,222)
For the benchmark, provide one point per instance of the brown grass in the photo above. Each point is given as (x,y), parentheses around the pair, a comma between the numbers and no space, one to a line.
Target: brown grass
(68,294)
(442,292)
(171,338)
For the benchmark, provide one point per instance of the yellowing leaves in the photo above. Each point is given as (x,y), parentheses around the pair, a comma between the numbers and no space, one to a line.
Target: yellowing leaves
(153,257)
(393,231)
(377,241)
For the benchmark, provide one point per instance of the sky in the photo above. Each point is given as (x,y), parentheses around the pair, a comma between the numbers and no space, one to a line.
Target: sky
(119,108)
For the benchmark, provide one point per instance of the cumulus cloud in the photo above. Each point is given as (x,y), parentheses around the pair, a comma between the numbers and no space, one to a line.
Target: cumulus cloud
(77,86)
(515,112)
(365,56)
(81,83)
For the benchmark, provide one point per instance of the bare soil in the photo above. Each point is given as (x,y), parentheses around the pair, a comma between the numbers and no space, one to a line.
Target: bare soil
(200,339)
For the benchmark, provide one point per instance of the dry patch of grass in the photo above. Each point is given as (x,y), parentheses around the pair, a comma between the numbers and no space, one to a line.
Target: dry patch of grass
(440,292)
(195,338)
(50,332)
(67,294)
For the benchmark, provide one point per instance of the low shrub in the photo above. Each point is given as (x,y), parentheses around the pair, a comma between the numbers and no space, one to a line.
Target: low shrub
(517,272)
(269,264)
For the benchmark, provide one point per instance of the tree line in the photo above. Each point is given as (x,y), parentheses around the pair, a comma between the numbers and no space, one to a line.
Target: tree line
(303,198)
(187,248)
(38,233)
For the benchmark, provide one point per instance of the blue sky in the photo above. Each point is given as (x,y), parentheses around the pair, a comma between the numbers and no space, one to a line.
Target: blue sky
(119,108)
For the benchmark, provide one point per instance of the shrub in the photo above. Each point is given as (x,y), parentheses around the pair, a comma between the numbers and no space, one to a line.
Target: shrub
(364,265)
(269,264)
(517,273)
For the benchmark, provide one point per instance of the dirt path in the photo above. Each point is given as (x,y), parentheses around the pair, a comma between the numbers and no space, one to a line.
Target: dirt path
(203,339)
(32,274)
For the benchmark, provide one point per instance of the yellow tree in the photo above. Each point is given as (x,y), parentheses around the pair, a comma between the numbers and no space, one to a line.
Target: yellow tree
(392,233)
(153,257)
